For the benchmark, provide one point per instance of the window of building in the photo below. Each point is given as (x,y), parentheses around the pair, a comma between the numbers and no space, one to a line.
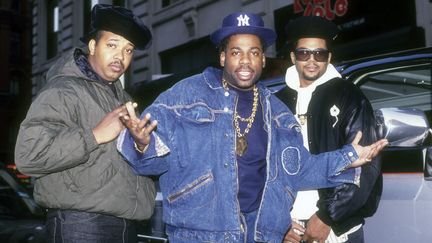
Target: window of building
(16,6)
(15,45)
(87,6)
(189,58)
(52,27)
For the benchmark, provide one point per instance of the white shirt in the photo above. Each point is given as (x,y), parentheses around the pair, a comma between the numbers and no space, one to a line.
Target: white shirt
(305,204)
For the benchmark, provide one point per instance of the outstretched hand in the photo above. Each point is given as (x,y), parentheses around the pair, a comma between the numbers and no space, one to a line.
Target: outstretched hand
(140,129)
(367,153)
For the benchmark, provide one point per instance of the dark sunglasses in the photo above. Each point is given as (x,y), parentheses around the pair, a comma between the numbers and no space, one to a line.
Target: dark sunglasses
(303,54)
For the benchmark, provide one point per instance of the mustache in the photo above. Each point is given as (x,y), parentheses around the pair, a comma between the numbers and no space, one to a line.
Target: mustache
(244,67)
(312,65)
(117,63)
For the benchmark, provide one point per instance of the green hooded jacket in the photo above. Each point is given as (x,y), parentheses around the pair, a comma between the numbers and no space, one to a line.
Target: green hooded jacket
(56,146)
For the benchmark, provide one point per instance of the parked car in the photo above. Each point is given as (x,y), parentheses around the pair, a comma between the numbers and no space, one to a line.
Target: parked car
(398,80)
(21,219)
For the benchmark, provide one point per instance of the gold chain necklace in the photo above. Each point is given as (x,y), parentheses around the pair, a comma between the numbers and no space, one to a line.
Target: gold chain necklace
(301,116)
(241,142)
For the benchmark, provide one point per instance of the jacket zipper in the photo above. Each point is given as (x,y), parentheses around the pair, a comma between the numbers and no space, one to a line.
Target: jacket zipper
(242,229)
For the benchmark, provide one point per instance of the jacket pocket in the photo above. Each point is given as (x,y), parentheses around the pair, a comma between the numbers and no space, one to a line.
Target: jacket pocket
(196,122)
(194,194)
(196,113)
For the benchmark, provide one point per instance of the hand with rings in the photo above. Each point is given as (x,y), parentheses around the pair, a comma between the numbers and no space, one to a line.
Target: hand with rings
(366,153)
(140,129)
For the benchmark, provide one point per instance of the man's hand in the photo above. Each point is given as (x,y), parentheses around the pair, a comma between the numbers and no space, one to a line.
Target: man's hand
(110,126)
(367,153)
(316,230)
(139,129)
(294,235)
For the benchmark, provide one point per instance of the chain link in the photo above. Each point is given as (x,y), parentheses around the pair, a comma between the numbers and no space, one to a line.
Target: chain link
(237,117)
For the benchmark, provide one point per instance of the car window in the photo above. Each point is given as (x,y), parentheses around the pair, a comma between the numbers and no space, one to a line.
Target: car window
(400,87)
(409,87)
(11,204)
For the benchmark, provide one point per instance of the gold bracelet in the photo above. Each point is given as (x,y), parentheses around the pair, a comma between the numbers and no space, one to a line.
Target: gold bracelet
(139,150)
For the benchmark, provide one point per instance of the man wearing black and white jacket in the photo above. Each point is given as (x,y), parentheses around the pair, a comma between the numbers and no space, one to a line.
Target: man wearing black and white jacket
(330,111)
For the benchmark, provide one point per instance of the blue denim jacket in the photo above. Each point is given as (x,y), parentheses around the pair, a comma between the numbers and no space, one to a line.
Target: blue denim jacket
(194,152)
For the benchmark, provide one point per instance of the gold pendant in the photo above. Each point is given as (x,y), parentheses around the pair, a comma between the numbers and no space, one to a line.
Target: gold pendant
(303,119)
(241,145)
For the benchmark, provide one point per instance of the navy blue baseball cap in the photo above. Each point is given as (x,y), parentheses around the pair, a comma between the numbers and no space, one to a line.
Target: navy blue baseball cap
(120,21)
(243,23)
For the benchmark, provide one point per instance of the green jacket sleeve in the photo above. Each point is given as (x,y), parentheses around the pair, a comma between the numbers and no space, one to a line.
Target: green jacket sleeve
(51,137)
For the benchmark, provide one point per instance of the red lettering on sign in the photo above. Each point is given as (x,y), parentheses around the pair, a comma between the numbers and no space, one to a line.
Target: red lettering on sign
(308,10)
(329,13)
(319,11)
(322,8)
(341,7)
(298,7)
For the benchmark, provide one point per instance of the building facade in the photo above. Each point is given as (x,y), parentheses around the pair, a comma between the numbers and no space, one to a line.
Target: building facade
(181,29)
(15,71)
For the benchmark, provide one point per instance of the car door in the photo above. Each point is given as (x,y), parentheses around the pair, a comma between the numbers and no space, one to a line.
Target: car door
(405,210)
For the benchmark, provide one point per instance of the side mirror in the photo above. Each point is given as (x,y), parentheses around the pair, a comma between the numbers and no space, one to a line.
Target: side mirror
(407,128)
(403,127)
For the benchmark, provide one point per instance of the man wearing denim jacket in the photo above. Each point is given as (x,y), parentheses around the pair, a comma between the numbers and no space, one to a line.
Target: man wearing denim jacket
(229,153)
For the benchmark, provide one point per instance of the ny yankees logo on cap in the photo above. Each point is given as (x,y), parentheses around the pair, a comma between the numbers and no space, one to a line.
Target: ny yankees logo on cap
(243,23)
(243,20)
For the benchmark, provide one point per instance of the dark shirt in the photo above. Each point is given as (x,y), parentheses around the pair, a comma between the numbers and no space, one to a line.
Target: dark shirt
(85,67)
(252,165)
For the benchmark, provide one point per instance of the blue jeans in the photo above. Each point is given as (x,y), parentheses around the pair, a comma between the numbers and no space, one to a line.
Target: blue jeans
(69,226)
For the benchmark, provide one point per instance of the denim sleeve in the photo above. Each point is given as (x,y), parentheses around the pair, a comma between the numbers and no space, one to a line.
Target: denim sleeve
(327,169)
(345,175)
(151,162)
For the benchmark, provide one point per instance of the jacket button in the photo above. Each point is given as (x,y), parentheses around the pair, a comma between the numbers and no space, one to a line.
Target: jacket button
(226,109)
(226,165)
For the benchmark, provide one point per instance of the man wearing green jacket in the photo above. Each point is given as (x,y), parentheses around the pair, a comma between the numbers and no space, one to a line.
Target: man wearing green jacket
(67,142)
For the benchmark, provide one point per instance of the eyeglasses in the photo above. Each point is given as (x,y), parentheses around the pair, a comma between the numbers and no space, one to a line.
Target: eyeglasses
(303,54)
